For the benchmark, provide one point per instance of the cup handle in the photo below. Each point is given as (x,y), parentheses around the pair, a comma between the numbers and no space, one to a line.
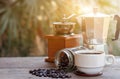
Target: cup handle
(110,59)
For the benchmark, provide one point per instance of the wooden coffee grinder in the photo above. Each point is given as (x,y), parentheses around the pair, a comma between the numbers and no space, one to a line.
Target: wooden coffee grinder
(63,38)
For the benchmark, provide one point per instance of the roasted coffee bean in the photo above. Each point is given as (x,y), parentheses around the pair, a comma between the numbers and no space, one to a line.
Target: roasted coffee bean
(37,74)
(30,71)
(40,75)
(33,73)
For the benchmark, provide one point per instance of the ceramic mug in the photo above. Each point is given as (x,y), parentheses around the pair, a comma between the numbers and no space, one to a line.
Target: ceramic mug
(92,62)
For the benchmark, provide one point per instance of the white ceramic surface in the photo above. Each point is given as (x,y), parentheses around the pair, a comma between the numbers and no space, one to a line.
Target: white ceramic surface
(91,71)
(92,63)
(90,60)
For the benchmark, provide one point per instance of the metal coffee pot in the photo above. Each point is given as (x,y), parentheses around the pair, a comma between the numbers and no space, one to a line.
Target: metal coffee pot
(95,29)
(95,25)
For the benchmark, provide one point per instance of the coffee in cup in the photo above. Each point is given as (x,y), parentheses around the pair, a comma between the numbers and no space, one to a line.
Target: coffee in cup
(92,62)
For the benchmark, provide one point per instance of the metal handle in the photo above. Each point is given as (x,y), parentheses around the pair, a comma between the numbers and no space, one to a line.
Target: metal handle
(67,18)
(116,17)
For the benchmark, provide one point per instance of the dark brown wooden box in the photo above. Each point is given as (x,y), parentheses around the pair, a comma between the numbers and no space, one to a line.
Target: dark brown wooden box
(56,43)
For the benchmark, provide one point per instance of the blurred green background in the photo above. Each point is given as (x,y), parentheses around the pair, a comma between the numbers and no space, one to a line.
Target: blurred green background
(24,23)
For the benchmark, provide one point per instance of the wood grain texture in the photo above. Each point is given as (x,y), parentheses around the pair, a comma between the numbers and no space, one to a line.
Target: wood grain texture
(56,43)
(18,68)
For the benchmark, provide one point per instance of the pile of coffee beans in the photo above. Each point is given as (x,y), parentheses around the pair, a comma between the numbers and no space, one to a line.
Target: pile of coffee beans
(53,73)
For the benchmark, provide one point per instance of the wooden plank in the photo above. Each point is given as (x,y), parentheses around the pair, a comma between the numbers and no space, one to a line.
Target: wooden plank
(24,74)
(18,68)
(24,62)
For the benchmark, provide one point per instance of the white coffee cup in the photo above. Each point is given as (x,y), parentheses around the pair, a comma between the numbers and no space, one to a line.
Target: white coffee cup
(92,62)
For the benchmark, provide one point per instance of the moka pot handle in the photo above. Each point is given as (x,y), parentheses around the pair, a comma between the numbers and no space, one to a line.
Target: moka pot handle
(116,17)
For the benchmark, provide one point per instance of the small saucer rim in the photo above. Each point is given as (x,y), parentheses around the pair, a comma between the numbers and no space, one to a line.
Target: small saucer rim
(79,73)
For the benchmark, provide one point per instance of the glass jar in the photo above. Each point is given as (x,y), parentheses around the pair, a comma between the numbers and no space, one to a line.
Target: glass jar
(64,59)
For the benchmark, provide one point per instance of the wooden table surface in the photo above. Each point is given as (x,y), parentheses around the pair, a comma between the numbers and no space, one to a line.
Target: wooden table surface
(18,68)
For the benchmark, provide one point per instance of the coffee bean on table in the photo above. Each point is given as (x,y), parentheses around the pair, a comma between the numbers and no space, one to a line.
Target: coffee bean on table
(30,72)
(53,73)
